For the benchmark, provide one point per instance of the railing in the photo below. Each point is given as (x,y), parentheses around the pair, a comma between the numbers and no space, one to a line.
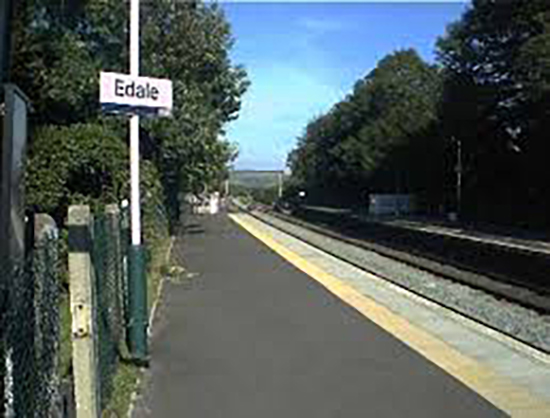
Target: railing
(65,315)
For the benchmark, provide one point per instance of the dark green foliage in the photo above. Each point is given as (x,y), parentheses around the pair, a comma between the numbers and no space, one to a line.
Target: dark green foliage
(254,179)
(397,131)
(373,141)
(265,195)
(81,163)
(61,48)
(497,75)
(189,43)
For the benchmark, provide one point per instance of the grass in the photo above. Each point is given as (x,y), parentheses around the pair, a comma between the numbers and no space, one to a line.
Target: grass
(65,345)
(125,384)
(158,267)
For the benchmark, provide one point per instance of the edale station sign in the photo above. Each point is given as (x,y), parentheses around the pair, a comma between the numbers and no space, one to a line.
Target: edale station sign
(122,93)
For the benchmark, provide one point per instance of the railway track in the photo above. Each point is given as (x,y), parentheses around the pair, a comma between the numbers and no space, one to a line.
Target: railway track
(511,293)
(519,275)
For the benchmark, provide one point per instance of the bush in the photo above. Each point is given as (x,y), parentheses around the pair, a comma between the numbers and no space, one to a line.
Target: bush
(76,164)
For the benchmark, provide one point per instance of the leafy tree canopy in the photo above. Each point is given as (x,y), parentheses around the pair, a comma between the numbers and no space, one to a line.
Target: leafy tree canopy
(62,46)
(347,149)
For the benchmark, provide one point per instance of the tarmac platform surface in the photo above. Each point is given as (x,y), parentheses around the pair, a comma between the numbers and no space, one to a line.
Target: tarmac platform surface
(245,334)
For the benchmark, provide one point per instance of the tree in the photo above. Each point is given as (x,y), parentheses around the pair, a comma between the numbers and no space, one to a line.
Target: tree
(62,46)
(81,163)
(497,70)
(189,43)
(370,140)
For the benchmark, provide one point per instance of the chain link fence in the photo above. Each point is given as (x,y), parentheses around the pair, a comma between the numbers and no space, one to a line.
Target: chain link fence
(36,365)
(109,252)
(29,331)
(108,259)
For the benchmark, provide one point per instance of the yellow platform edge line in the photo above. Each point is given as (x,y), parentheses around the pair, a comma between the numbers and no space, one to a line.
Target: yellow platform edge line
(515,400)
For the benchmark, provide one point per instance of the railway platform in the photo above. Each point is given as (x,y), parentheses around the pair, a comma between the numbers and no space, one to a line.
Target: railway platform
(521,240)
(515,238)
(264,325)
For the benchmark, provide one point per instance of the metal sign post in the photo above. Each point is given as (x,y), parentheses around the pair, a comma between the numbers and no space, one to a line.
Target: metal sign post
(135,95)
(134,128)
(137,280)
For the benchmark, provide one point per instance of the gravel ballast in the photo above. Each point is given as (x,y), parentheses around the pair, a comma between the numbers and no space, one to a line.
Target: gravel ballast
(524,324)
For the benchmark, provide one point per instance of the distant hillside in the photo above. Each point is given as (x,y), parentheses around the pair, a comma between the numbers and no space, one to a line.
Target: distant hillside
(254,179)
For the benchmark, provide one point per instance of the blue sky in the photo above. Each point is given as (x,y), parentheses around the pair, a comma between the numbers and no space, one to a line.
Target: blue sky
(302,58)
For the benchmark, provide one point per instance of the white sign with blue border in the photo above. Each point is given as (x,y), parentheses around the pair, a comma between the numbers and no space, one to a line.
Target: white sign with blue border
(122,93)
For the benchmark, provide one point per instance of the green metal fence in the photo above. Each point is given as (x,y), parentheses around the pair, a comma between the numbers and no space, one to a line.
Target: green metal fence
(115,314)
(108,258)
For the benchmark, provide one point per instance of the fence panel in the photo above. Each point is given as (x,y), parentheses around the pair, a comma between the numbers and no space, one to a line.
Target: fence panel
(99,282)
(108,257)
(33,357)
(29,329)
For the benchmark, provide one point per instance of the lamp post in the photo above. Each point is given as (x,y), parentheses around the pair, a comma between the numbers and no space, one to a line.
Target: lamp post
(280,184)
(459,178)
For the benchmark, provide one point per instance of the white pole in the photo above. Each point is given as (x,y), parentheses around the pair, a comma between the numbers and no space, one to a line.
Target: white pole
(134,128)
